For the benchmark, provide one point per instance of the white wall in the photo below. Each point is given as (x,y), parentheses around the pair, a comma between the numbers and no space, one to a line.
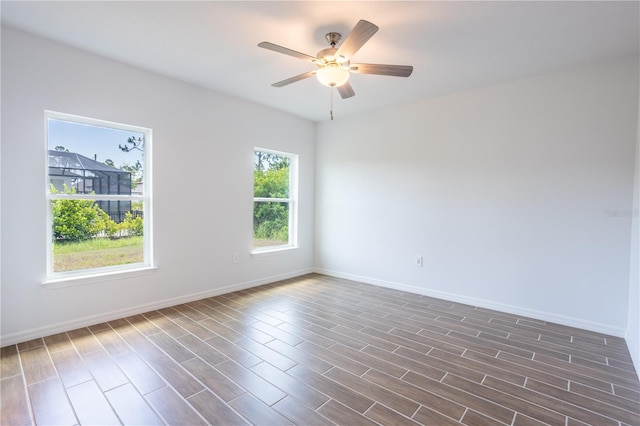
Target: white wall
(203,161)
(633,323)
(516,195)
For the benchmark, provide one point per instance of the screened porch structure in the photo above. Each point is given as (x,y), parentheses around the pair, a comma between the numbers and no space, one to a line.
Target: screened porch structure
(89,176)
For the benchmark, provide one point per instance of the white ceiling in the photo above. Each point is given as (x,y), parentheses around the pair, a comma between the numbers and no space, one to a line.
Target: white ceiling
(452,45)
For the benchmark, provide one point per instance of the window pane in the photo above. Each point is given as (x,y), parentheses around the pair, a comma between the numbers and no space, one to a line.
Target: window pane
(85,236)
(94,159)
(270,175)
(270,224)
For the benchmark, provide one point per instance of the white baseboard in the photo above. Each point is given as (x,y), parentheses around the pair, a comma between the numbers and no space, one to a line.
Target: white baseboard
(34,333)
(482,303)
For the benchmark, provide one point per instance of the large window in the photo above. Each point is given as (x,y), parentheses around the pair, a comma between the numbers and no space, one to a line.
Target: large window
(275,176)
(98,191)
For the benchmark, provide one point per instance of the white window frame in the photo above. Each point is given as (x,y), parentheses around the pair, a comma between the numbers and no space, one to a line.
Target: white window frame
(66,278)
(292,201)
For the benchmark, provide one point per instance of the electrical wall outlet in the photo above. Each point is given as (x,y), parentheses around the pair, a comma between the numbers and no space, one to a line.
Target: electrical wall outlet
(419,261)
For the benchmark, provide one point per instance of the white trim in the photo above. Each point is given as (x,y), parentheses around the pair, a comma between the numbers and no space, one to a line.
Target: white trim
(483,303)
(268,251)
(108,274)
(34,333)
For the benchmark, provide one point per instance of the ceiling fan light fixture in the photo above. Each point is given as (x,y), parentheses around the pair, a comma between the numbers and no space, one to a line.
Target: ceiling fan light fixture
(332,75)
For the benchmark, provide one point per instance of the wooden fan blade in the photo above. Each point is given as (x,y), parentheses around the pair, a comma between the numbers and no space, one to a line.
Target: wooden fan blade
(346,91)
(381,69)
(294,79)
(287,51)
(362,32)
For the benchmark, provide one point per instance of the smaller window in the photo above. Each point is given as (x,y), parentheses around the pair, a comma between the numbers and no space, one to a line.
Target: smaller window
(275,192)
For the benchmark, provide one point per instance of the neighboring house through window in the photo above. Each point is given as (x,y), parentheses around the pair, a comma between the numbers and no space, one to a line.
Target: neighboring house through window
(99,195)
(275,192)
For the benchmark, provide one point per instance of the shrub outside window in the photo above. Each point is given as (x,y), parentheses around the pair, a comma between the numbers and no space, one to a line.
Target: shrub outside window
(275,176)
(98,191)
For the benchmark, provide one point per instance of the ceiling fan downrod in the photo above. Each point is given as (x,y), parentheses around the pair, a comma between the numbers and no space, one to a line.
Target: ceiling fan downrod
(333,38)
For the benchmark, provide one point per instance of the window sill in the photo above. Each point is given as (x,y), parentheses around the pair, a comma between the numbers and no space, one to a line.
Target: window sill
(76,280)
(272,251)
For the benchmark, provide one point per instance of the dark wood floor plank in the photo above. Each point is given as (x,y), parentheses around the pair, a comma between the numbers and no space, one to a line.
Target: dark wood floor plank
(9,362)
(104,370)
(120,326)
(15,408)
(30,344)
(173,373)
(301,357)
(298,413)
(50,403)
(334,357)
(338,392)
(70,367)
(276,333)
(386,416)
(506,400)
(219,384)
(550,403)
(343,415)
(58,342)
(375,392)
(293,387)
(519,366)
(615,400)
(474,402)
(369,360)
(343,339)
(142,345)
(84,341)
(460,364)
(131,407)
(194,328)
(599,407)
(189,312)
(143,377)
(266,354)
(37,365)
(171,347)
(245,330)
(305,334)
(91,405)
(234,352)
(112,342)
(202,349)
(173,408)
(215,410)
(368,339)
(171,328)
(251,382)
(404,362)
(441,364)
(427,416)
(221,330)
(397,340)
(418,394)
(143,325)
(257,413)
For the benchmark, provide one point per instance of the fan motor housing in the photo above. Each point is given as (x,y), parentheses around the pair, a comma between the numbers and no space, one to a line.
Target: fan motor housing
(328,55)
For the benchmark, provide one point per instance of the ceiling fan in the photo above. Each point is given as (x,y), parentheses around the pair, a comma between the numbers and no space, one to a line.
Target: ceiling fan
(334,63)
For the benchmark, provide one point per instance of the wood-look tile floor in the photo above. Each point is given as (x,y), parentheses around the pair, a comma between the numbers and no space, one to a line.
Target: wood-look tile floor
(317,350)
